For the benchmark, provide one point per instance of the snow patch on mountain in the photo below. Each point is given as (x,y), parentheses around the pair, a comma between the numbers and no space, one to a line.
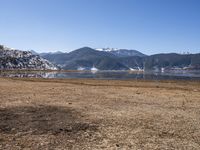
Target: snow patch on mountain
(121,52)
(106,49)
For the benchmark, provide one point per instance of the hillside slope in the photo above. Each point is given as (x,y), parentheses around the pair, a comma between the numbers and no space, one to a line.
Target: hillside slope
(172,61)
(17,59)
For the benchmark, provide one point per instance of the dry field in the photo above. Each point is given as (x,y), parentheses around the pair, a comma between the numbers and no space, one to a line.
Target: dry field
(99,114)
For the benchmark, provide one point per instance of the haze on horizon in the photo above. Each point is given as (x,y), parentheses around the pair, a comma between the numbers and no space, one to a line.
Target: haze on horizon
(150,26)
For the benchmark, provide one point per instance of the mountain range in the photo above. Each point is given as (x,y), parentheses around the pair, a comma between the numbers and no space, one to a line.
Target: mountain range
(87,58)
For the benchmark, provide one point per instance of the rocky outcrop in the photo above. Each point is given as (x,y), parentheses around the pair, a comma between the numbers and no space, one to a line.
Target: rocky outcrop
(17,59)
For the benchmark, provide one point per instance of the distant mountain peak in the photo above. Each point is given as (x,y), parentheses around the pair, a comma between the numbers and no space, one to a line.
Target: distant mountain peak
(122,52)
(106,49)
(33,52)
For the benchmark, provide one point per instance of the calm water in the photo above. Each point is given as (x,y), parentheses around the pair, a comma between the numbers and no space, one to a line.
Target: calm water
(184,75)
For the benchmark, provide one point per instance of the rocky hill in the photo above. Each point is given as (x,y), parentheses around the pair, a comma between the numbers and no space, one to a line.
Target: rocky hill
(16,59)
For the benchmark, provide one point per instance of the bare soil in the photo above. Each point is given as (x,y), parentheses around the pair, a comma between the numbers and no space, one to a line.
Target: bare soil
(99,114)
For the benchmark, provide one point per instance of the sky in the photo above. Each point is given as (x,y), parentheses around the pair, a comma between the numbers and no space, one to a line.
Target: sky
(150,26)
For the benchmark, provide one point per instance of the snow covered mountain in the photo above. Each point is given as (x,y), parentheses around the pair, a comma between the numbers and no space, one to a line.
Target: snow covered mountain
(122,52)
(106,49)
(17,59)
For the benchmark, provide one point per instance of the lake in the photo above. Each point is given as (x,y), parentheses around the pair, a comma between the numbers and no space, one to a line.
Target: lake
(114,75)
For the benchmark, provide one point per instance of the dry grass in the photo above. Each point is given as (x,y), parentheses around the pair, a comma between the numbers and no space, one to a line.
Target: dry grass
(99,114)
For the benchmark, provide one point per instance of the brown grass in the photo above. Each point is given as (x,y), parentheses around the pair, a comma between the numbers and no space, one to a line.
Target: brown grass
(99,114)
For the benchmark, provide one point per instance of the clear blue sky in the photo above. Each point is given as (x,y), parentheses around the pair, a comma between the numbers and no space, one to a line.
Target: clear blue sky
(150,26)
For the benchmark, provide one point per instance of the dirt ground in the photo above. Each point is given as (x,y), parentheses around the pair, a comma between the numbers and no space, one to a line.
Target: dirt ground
(99,114)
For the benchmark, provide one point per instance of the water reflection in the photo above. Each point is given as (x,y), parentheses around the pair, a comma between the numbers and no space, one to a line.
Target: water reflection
(186,75)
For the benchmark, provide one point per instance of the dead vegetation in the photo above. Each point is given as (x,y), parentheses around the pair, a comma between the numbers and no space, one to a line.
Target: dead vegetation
(99,114)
